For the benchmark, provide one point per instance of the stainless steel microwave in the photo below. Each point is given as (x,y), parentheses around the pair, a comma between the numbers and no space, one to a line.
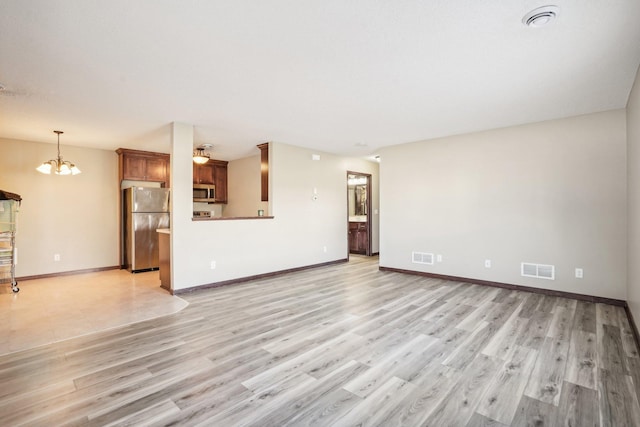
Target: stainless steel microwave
(204,193)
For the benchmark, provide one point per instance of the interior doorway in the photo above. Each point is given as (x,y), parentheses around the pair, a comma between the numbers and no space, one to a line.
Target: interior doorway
(359,213)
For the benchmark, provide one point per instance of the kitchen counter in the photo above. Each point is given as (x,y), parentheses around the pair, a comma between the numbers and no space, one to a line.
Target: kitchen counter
(222,218)
(164,257)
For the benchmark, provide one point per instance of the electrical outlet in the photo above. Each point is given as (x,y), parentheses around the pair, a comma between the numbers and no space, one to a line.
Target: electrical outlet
(56,257)
(439,258)
(487,263)
(579,273)
(324,249)
(213,265)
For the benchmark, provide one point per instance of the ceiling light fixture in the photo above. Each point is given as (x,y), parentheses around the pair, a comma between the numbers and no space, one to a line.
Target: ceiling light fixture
(541,16)
(199,156)
(58,166)
(356,180)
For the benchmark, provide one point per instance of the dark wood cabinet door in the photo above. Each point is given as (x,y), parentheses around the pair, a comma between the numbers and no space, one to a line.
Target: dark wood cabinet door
(139,165)
(353,241)
(358,238)
(156,169)
(220,173)
(264,171)
(134,168)
(204,174)
(363,240)
(353,237)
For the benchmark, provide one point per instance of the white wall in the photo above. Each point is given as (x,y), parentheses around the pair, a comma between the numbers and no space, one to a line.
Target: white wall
(296,237)
(550,193)
(633,196)
(74,216)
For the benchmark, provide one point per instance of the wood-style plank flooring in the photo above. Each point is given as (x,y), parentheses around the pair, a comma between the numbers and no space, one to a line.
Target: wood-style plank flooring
(339,346)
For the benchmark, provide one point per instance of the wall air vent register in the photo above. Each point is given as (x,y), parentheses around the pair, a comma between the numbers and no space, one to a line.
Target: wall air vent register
(422,258)
(539,271)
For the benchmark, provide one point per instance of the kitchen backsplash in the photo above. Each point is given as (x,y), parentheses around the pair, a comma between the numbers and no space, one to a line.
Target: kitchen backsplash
(216,210)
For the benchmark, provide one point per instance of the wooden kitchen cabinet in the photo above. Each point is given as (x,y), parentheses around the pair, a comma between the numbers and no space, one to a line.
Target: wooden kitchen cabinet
(213,172)
(136,165)
(157,169)
(358,238)
(220,174)
(164,260)
(204,174)
(264,171)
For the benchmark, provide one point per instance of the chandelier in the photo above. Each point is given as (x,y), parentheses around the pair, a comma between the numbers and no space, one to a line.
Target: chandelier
(59,166)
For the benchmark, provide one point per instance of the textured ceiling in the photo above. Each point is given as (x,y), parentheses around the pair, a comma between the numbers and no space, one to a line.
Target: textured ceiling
(346,77)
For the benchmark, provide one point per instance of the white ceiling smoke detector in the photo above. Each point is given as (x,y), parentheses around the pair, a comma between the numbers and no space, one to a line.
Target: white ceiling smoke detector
(540,16)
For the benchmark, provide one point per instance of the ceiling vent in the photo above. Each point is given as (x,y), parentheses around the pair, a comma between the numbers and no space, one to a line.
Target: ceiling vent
(541,16)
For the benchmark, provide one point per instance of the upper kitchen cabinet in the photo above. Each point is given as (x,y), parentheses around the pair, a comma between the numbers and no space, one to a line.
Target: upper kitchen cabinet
(136,165)
(213,172)
(221,180)
(264,171)
(204,174)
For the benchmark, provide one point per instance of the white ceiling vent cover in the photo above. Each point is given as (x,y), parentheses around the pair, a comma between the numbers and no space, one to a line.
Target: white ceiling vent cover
(539,271)
(422,258)
(541,16)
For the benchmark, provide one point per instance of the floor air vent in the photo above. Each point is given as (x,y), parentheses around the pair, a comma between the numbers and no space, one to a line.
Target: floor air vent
(539,271)
(421,258)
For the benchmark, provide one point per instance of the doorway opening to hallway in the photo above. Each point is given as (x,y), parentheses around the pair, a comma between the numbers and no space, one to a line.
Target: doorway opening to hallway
(359,213)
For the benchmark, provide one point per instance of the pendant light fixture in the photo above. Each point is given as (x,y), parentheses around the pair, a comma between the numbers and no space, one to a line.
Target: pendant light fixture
(199,156)
(58,166)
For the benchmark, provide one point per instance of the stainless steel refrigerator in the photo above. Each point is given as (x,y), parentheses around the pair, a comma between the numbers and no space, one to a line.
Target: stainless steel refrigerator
(145,210)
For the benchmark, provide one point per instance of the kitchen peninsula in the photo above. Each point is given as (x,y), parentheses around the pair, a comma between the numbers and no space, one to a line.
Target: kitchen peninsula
(231,218)
(164,248)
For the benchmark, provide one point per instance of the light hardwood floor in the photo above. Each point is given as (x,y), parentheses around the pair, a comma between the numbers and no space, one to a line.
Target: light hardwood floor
(340,345)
